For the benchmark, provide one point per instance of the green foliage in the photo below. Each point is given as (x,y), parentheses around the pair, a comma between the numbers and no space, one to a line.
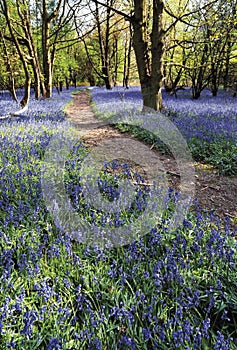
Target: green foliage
(221,154)
(143,135)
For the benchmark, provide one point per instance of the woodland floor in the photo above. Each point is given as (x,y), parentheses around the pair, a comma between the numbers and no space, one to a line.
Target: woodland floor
(213,191)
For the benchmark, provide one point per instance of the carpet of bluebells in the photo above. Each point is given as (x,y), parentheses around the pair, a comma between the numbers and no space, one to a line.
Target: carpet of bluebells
(167,290)
(208,124)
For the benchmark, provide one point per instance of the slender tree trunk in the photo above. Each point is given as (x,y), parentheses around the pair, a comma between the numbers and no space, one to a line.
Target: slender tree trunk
(47,64)
(196,92)
(26,96)
(125,66)
(116,61)
(36,85)
(198,82)
(11,79)
(157,44)
(104,46)
(106,77)
(67,82)
(214,80)
(74,79)
(12,89)
(127,59)
(127,77)
(108,82)
(227,65)
(141,49)
(39,83)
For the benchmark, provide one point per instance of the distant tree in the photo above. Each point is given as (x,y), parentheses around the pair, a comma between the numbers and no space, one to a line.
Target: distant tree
(56,22)
(18,39)
(213,39)
(10,75)
(201,49)
(38,29)
(127,56)
(176,46)
(227,38)
(67,67)
(147,45)
(102,40)
(148,41)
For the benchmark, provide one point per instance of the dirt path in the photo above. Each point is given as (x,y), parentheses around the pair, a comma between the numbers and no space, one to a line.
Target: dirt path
(214,192)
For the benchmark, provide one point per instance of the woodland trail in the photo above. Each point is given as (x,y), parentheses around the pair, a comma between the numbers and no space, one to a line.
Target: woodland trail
(213,191)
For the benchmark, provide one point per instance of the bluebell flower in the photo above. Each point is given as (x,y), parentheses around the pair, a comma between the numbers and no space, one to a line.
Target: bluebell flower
(147,334)
(29,318)
(54,344)
(11,344)
(178,338)
(221,342)
(225,316)
(95,344)
(197,339)
(187,330)
(206,327)
(128,342)
(45,288)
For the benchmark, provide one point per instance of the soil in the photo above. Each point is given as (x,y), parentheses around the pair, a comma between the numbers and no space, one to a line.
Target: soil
(214,192)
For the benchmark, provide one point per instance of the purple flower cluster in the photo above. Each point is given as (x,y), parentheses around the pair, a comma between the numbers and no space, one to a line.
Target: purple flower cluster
(167,290)
(207,118)
(37,109)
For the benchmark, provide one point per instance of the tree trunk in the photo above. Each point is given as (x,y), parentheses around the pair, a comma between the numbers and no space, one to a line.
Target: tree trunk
(115,59)
(157,44)
(152,97)
(196,92)
(150,73)
(37,86)
(91,80)
(47,64)
(127,59)
(104,45)
(74,81)
(67,82)
(106,78)
(11,79)
(39,83)
(26,96)
(25,16)
(125,66)
(198,79)
(227,65)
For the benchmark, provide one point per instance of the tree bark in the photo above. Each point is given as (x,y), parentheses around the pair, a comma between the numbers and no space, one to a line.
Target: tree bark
(26,96)
(11,79)
(47,69)
(227,64)
(198,77)
(104,45)
(150,71)
(127,59)
(24,14)
(157,45)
